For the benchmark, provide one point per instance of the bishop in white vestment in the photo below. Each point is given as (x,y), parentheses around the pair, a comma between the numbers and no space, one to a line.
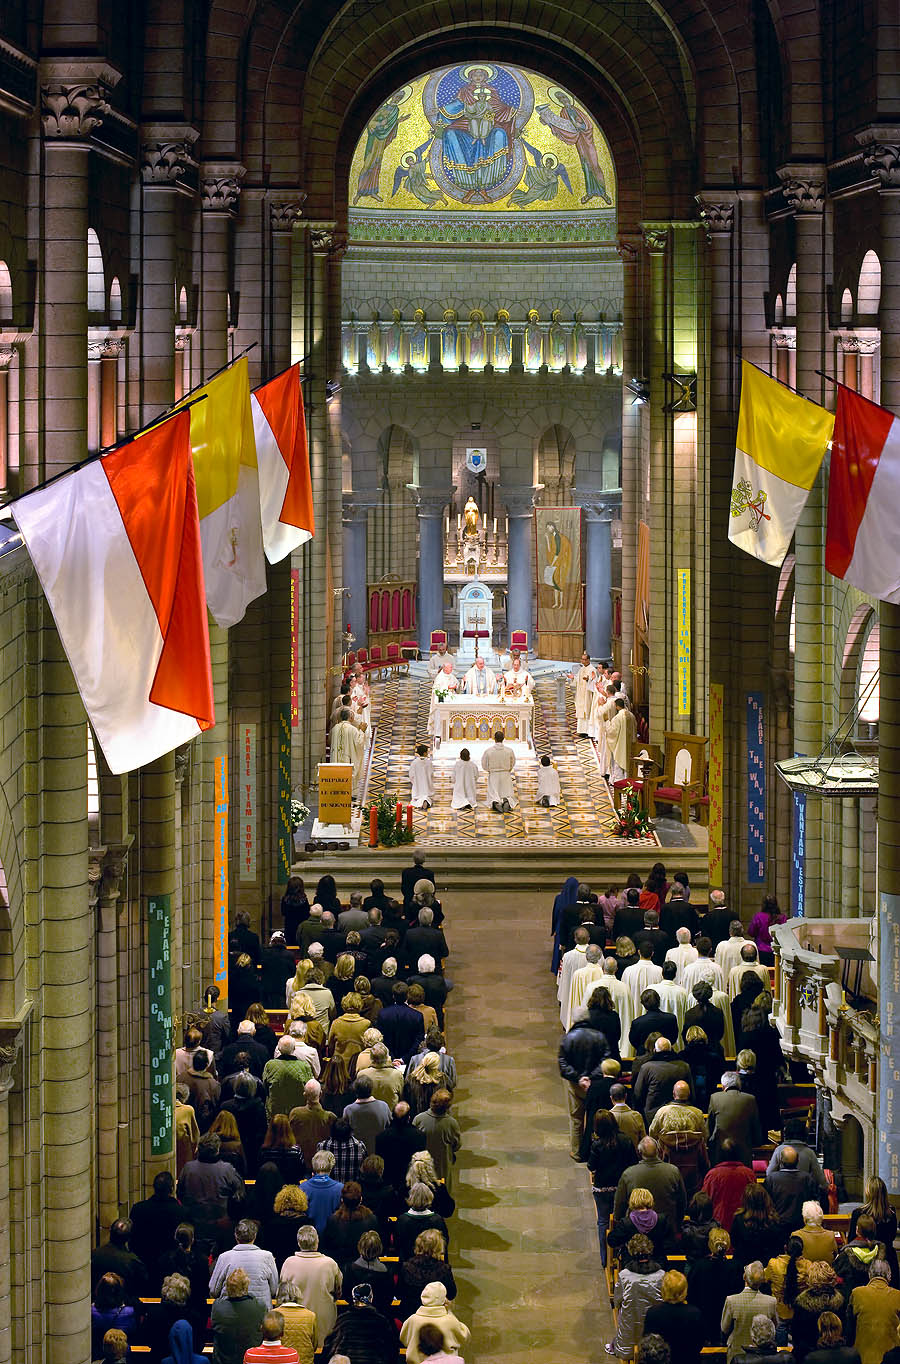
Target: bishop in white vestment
(673,999)
(480,680)
(444,682)
(623,1004)
(498,762)
(585,678)
(519,682)
(465,782)
(621,732)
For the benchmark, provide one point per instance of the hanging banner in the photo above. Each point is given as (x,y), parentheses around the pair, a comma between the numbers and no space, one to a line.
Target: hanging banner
(247,801)
(889,1044)
(220,877)
(285,831)
(295,648)
(159,1038)
(756,788)
(335,793)
(716,780)
(798,853)
(684,641)
(559,570)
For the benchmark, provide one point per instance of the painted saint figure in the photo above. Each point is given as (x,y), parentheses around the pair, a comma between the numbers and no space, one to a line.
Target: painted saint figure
(502,340)
(476,130)
(573,127)
(380,134)
(559,562)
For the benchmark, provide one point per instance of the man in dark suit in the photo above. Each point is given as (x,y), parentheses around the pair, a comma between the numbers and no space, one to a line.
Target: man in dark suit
(678,913)
(373,935)
(153,1223)
(718,921)
(653,934)
(789,1188)
(401,1027)
(629,918)
(244,937)
(425,940)
(656,1081)
(734,1115)
(653,1019)
(244,1045)
(397,1144)
(331,937)
(410,875)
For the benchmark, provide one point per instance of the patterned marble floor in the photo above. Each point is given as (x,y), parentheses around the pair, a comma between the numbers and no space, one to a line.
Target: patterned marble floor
(400,709)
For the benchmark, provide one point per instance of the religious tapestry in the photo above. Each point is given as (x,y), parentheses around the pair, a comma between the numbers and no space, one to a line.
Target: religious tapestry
(557,534)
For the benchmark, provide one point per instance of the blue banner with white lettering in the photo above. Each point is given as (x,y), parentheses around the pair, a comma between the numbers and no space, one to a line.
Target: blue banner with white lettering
(756,788)
(798,854)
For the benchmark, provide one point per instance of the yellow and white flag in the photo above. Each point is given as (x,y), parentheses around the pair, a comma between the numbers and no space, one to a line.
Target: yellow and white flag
(781,441)
(227,478)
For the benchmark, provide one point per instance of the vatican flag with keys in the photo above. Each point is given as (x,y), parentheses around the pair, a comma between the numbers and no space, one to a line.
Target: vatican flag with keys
(781,441)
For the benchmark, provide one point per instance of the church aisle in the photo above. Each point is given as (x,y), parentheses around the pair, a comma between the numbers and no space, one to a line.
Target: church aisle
(524,1245)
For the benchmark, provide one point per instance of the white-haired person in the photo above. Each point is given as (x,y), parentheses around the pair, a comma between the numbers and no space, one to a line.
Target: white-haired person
(683,954)
(818,1242)
(316,1276)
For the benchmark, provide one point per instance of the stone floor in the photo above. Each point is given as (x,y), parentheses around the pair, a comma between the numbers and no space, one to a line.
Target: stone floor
(524,1245)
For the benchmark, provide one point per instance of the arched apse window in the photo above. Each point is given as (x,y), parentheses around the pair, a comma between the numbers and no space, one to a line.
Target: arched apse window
(93,785)
(610,477)
(778,314)
(96,299)
(846,308)
(868,293)
(556,466)
(867,686)
(790,295)
(115,301)
(183,306)
(6,298)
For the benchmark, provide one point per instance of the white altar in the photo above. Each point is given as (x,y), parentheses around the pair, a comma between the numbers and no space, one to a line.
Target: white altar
(476,609)
(472,721)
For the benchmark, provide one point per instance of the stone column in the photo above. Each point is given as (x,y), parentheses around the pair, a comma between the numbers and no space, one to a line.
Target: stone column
(109,1040)
(631,445)
(284,212)
(662,567)
(355,527)
(599,515)
(519,503)
(73,104)
(11,1033)
(430,504)
(881,148)
(804,190)
(166,154)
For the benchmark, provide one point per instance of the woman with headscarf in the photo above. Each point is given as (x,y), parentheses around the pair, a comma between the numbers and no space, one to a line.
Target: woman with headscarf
(181,1345)
(422,1081)
(566,898)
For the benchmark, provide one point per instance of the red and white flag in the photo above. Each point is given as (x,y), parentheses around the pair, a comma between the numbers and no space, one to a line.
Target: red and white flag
(116,545)
(285,489)
(862,542)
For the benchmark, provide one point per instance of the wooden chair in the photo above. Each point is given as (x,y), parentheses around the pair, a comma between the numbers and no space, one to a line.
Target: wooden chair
(683,774)
(644,761)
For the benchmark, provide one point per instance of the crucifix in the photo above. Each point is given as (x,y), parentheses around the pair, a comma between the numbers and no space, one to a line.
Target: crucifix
(476,620)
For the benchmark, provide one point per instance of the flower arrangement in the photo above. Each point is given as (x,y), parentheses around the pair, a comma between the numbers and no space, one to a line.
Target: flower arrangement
(299,813)
(391,832)
(632,821)
(441,693)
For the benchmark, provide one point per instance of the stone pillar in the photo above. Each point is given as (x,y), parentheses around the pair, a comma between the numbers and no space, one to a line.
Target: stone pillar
(11,1033)
(284,212)
(662,567)
(430,504)
(599,515)
(355,527)
(110,350)
(631,445)
(166,154)
(109,1039)
(881,148)
(804,190)
(56,842)
(519,503)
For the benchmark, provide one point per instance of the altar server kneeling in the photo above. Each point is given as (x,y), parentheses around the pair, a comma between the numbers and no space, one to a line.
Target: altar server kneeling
(465,782)
(548,783)
(498,762)
(421,775)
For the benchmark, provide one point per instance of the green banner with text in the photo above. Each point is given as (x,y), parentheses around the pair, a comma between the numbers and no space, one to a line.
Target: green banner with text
(285,831)
(159,936)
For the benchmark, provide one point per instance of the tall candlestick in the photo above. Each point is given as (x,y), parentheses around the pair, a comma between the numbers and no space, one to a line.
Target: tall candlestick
(458,522)
(409,822)
(495,525)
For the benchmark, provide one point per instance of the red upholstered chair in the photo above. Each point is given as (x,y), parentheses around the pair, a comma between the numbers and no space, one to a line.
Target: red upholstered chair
(375,658)
(395,660)
(409,649)
(645,760)
(362,656)
(518,639)
(438,637)
(683,778)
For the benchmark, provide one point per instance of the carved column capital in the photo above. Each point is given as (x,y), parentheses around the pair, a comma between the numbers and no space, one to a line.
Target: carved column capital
(357,505)
(785,340)
(7,355)
(655,237)
(74,96)
(167,151)
(107,348)
(881,154)
(626,250)
(11,1034)
(220,186)
(430,501)
(182,763)
(716,212)
(804,188)
(112,869)
(520,501)
(284,212)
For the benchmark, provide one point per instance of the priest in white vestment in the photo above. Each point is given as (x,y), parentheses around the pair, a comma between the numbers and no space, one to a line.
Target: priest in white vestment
(748,963)
(445,683)
(571,961)
(465,782)
(673,998)
(683,954)
(437,659)
(721,1001)
(704,968)
(480,680)
(348,745)
(601,713)
(548,783)
(498,762)
(518,680)
(421,776)
(361,700)
(584,678)
(623,1004)
(583,984)
(728,953)
(621,732)
(641,975)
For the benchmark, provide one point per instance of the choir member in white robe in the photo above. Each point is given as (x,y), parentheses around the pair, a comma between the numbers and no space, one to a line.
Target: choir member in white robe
(584,678)
(621,732)
(437,659)
(498,762)
(704,968)
(640,977)
(480,680)
(583,984)
(361,704)
(728,953)
(736,975)
(683,954)
(603,709)
(721,1001)
(465,782)
(623,1004)
(518,680)
(348,745)
(673,998)
(421,776)
(548,783)
(571,961)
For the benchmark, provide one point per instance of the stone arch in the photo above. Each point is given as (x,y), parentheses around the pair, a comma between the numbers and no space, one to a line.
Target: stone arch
(846,308)
(115,301)
(555,453)
(392,526)
(6,293)
(868,291)
(790,296)
(96,280)
(778,310)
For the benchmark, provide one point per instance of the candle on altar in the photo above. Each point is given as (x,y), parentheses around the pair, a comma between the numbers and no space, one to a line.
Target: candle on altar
(458,522)
(373,827)
(495,525)
(447,526)
(409,818)
(399,814)
(507,527)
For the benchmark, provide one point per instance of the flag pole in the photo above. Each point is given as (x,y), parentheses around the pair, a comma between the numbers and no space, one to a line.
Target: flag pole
(790,387)
(209,378)
(107,450)
(303,377)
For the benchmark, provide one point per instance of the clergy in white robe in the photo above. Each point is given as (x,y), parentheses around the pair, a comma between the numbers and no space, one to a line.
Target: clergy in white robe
(683,954)
(547,783)
(498,762)
(480,680)
(445,682)
(721,1001)
(602,712)
(421,776)
(348,745)
(736,975)
(583,984)
(437,659)
(674,999)
(361,705)
(571,961)
(519,682)
(640,977)
(704,968)
(465,782)
(585,678)
(728,953)
(623,1004)
(621,732)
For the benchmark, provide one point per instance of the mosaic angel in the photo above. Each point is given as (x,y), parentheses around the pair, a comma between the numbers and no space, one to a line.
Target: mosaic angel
(573,127)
